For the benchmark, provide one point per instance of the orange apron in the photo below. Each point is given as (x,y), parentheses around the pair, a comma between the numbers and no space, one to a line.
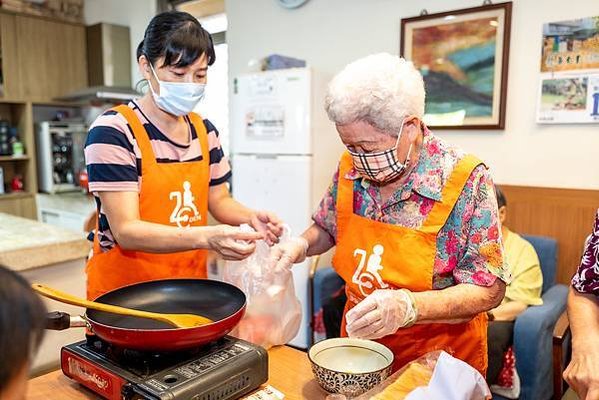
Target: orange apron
(372,255)
(174,194)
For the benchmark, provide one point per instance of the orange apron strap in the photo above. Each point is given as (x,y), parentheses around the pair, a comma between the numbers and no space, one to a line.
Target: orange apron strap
(451,191)
(345,187)
(202,133)
(143,142)
(96,247)
(140,134)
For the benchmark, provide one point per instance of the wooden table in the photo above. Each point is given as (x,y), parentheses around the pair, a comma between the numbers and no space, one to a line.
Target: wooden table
(289,371)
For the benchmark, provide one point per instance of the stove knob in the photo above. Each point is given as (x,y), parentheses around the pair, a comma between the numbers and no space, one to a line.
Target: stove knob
(128,392)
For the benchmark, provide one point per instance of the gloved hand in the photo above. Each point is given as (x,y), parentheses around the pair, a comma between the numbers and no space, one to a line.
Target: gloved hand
(284,255)
(380,314)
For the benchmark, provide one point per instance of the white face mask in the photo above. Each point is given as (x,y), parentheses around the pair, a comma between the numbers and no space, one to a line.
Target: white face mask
(177,98)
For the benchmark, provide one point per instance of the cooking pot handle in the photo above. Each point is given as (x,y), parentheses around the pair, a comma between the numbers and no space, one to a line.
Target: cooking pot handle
(58,321)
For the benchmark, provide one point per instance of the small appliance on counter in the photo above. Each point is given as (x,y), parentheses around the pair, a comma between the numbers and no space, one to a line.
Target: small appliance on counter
(60,157)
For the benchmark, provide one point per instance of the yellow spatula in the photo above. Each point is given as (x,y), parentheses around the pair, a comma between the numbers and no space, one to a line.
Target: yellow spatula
(176,320)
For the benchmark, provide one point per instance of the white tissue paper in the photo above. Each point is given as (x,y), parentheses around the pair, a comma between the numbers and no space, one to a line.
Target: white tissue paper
(453,379)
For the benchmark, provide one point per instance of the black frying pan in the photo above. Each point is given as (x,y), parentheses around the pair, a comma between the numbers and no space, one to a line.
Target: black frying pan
(221,302)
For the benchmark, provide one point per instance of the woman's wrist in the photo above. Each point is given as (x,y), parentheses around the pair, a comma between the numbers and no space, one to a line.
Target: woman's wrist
(583,344)
(199,236)
(412,314)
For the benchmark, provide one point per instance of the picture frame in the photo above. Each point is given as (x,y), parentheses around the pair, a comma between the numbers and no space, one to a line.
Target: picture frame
(463,56)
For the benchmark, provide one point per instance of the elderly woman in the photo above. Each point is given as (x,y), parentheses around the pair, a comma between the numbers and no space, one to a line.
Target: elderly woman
(414,221)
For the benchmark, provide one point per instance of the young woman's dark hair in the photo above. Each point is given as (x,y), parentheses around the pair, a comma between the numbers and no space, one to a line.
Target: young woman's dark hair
(178,37)
(500,197)
(22,320)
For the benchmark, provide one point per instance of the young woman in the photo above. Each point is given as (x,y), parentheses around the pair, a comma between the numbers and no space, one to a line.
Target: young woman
(156,169)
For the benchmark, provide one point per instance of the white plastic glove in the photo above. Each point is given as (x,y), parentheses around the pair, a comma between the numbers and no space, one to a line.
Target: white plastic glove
(380,314)
(290,251)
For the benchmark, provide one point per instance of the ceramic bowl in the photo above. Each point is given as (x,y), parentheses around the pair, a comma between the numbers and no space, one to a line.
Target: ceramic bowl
(350,366)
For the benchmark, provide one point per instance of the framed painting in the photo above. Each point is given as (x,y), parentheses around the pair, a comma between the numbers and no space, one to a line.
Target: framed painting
(463,57)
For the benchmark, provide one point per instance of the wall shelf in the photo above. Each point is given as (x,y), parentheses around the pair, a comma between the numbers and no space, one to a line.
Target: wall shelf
(15,195)
(58,104)
(13,158)
(12,101)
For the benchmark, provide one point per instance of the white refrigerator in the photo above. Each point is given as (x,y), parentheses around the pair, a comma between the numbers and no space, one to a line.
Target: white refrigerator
(271,144)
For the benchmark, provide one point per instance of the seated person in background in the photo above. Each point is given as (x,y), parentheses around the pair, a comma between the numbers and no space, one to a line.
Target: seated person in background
(523,291)
(583,312)
(22,320)
(332,313)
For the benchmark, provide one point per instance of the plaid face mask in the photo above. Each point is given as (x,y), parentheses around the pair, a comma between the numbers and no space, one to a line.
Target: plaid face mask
(382,166)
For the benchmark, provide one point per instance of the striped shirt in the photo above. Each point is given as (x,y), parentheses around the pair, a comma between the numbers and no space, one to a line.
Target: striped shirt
(113,158)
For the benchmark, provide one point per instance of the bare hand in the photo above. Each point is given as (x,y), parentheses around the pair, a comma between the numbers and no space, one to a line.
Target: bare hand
(231,243)
(581,373)
(268,224)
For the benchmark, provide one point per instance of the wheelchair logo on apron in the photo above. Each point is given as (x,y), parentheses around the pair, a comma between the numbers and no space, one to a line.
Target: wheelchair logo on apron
(185,212)
(367,275)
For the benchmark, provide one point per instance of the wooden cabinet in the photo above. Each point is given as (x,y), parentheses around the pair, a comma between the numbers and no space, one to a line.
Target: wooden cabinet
(19,115)
(20,204)
(11,85)
(51,57)
(41,59)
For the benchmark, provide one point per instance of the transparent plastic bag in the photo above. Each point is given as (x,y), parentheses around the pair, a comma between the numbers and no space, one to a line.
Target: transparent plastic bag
(434,376)
(273,312)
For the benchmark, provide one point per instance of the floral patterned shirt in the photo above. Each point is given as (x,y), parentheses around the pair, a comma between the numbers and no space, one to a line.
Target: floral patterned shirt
(469,248)
(586,278)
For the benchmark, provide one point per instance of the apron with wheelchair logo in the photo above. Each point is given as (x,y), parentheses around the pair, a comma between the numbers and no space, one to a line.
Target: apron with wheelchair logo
(174,194)
(373,255)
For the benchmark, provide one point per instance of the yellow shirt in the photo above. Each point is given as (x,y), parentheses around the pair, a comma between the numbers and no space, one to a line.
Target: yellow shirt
(523,264)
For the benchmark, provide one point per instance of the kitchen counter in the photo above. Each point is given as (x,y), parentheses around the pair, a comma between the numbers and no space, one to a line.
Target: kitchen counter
(53,256)
(75,202)
(289,372)
(65,210)
(27,244)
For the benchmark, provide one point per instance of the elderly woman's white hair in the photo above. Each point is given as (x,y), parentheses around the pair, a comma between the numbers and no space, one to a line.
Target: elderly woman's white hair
(380,89)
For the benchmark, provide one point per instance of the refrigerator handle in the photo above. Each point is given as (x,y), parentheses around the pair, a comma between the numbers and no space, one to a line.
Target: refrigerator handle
(266,156)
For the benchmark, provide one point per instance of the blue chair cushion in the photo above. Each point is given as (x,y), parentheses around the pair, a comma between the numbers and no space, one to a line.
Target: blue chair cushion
(546,249)
(533,336)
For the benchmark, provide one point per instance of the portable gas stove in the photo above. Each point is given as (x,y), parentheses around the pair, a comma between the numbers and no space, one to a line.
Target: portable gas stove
(225,369)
